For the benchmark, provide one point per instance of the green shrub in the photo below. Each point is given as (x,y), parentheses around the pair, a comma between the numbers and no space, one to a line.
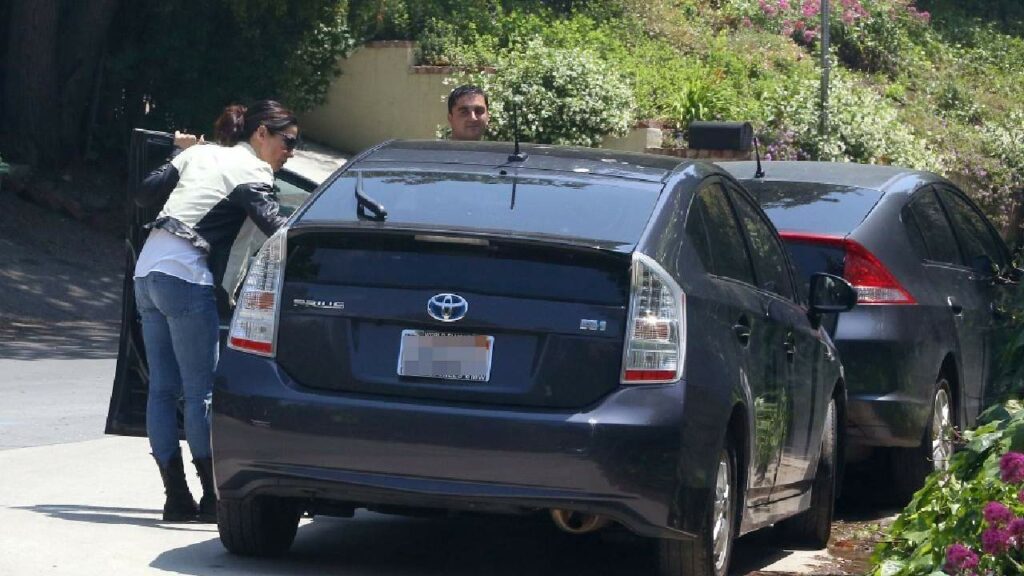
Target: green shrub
(862,126)
(970,514)
(564,96)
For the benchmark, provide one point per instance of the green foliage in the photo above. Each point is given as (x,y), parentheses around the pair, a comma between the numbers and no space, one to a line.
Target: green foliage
(862,126)
(948,510)
(166,75)
(564,96)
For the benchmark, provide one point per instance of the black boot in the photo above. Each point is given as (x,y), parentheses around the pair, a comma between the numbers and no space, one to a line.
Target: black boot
(179,505)
(208,503)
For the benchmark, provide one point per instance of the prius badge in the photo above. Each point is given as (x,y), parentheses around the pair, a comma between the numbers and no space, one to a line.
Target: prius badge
(447,307)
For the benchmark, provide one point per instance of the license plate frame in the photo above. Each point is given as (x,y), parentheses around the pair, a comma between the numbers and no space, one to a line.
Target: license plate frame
(445,355)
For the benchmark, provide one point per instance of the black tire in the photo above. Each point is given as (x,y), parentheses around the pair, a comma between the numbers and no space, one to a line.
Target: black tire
(911,466)
(259,526)
(813,527)
(699,557)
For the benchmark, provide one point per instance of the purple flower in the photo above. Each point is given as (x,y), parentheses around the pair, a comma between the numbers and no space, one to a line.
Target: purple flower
(1011,467)
(960,558)
(995,540)
(997,514)
(1016,530)
(809,36)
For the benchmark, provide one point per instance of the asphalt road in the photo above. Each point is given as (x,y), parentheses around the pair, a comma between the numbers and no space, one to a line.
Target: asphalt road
(76,502)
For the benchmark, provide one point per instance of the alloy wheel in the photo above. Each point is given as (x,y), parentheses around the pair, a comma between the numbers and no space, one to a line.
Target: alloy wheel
(942,429)
(721,535)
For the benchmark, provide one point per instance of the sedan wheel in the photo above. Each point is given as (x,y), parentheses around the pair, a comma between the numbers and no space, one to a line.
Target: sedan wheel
(709,554)
(942,430)
(911,466)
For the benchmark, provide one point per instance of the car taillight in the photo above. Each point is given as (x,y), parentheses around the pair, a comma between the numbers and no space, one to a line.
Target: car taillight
(874,283)
(655,327)
(254,324)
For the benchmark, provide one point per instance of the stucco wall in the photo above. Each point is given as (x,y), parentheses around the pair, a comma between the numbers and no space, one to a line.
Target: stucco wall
(381,95)
(378,96)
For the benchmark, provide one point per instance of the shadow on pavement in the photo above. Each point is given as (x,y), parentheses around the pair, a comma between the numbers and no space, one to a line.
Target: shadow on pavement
(65,340)
(112,515)
(379,545)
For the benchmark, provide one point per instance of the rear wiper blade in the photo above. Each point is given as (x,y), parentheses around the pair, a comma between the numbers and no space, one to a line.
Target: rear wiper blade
(364,203)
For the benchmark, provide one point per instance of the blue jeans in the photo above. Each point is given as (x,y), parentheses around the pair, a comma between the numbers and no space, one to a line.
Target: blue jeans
(180,331)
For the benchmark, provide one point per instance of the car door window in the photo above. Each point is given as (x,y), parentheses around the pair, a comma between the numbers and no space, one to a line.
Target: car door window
(715,233)
(770,262)
(976,236)
(929,230)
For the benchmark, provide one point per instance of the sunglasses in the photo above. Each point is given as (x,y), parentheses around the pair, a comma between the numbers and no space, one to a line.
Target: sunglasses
(290,142)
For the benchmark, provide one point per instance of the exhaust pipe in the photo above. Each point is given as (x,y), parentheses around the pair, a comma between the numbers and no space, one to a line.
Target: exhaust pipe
(577,522)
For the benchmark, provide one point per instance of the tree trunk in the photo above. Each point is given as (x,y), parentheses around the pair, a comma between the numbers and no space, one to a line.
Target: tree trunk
(31,113)
(52,57)
(86,27)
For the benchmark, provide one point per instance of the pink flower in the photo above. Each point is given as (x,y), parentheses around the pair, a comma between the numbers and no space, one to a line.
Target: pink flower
(960,558)
(995,540)
(783,4)
(997,514)
(1011,467)
(811,8)
(809,36)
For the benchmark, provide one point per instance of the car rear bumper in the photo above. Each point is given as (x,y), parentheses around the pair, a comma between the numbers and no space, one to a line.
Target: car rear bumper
(891,356)
(623,458)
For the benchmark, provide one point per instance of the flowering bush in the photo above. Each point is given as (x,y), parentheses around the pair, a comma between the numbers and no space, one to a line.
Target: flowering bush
(868,34)
(969,520)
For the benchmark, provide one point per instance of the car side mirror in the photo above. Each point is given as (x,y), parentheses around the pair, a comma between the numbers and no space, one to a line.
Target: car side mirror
(829,294)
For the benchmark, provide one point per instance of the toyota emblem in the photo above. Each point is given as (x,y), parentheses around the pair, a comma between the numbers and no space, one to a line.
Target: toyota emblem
(447,307)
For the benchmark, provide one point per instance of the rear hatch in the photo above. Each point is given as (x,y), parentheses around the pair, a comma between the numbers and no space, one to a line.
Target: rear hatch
(480,288)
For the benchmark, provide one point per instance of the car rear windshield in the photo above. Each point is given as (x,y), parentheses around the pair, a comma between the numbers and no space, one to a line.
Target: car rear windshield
(814,208)
(609,211)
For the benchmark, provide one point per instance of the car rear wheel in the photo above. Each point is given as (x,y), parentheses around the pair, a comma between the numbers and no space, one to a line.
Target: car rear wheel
(709,554)
(812,527)
(259,526)
(913,465)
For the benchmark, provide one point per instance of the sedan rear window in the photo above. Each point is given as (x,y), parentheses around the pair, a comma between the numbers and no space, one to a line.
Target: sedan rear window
(814,208)
(584,208)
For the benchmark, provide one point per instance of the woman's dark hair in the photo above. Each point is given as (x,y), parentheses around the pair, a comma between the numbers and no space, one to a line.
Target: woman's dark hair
(237,122)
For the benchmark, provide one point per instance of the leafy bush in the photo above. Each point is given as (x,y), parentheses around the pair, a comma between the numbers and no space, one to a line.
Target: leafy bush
(967,520)
(564,96)
(862,126)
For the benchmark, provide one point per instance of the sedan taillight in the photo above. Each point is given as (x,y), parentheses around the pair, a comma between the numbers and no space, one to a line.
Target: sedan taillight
(655,342)
(874,283)
(254,324)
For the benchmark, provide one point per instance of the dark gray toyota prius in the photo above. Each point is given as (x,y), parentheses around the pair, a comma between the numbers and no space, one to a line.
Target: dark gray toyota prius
(938,295)
(597,336)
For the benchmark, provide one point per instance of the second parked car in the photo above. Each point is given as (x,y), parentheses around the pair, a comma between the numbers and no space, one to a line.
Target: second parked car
(938,294)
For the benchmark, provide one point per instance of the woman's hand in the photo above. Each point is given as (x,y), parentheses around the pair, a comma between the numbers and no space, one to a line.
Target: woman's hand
(183,139)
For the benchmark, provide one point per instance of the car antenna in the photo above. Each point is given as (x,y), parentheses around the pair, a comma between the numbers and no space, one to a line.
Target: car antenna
(758,173)
(364,202)
(517,155)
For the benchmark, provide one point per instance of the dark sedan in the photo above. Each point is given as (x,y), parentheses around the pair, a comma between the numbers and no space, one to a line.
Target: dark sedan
(938,293)
(598,336)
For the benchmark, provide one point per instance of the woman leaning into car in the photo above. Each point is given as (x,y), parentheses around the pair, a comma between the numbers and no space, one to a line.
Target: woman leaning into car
(209,192)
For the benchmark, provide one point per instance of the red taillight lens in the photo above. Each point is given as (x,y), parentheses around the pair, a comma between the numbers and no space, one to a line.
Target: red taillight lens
(874,283)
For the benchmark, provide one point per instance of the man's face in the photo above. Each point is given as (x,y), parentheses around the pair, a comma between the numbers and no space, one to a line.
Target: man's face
(469,117)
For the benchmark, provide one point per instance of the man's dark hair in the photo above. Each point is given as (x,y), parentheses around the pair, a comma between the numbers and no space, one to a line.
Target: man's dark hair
(465,90)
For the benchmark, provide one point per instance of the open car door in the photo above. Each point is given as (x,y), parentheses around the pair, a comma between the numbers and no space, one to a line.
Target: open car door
(126,415)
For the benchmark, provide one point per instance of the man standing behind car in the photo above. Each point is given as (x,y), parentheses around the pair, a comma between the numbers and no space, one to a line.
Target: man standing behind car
(468,112)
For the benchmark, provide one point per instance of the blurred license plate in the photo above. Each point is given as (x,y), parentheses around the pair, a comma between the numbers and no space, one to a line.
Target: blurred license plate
(443,355)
